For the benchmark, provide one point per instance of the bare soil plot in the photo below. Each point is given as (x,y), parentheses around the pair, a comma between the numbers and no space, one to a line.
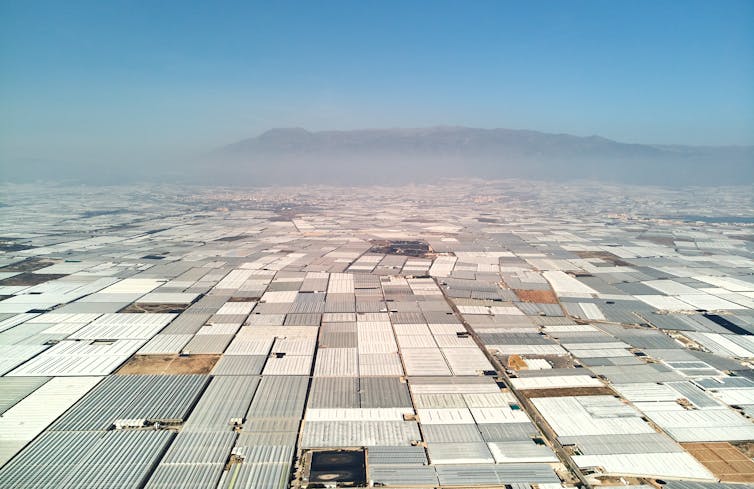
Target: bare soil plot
(724,460)
(538,296)
(29,265)
(557,361)
(27,278)
(168,364)
(137,307)
(568,391)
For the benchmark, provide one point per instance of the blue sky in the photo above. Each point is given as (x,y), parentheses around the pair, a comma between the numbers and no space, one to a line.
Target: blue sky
(124,79)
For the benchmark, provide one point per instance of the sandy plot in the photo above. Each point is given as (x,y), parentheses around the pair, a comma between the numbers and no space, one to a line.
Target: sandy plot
(724,460)
(537,296)
(568,392)
(168,364)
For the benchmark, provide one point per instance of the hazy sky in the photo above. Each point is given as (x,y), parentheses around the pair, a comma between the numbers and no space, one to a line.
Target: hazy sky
(114,79)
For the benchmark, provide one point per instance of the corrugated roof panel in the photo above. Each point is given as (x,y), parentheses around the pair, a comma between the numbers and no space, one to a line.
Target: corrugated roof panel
(445,416)
(682,484)
(334,392)
(467,475)
(439,401)
(200,447)
(337,362)
(186,476)
(636,374)
(16,388)
(119,459)
(279,396)
(697,396)
(357,414)
(399,475)
(451,433)
(454,341)
(521,452)
(208,343)
(617,444)
(249,345)
(416,341)
(124,326)
(384,392)
(237,319)
(288,365)
(324,434)
(495,415)
(338,317)
(46,461)
(568,416)
(527,349)
(296,345)
(272,425)
(703,425)
(165,344)
(257,476)
(380,365)
(489,400)
(252,453)
(556,382)
(533,473)
(267,319)
(22,422)
(225,399)
(373,339)
(660,465)
(466,361)
(187,323)
(272,308)
(646,392)
(449,385)
(425,361)
(239,365)
(310,319)
(75,358)
(156,397)
(330,339)
(398,455)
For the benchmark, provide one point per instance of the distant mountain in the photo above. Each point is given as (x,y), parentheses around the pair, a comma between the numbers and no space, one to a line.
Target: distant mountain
(397,156)
(295,155)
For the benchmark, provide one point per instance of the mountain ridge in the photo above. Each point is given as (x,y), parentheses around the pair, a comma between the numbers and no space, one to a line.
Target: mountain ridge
(276,133)
(297,155)
(292,156)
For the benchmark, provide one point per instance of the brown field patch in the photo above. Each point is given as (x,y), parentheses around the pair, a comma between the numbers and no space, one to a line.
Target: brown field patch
(538,296)
(605,255)
(154,308)
(568,391)
(516,363)
(29,265)
(168,364)
(28,278)
(724,460)
(557,361)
